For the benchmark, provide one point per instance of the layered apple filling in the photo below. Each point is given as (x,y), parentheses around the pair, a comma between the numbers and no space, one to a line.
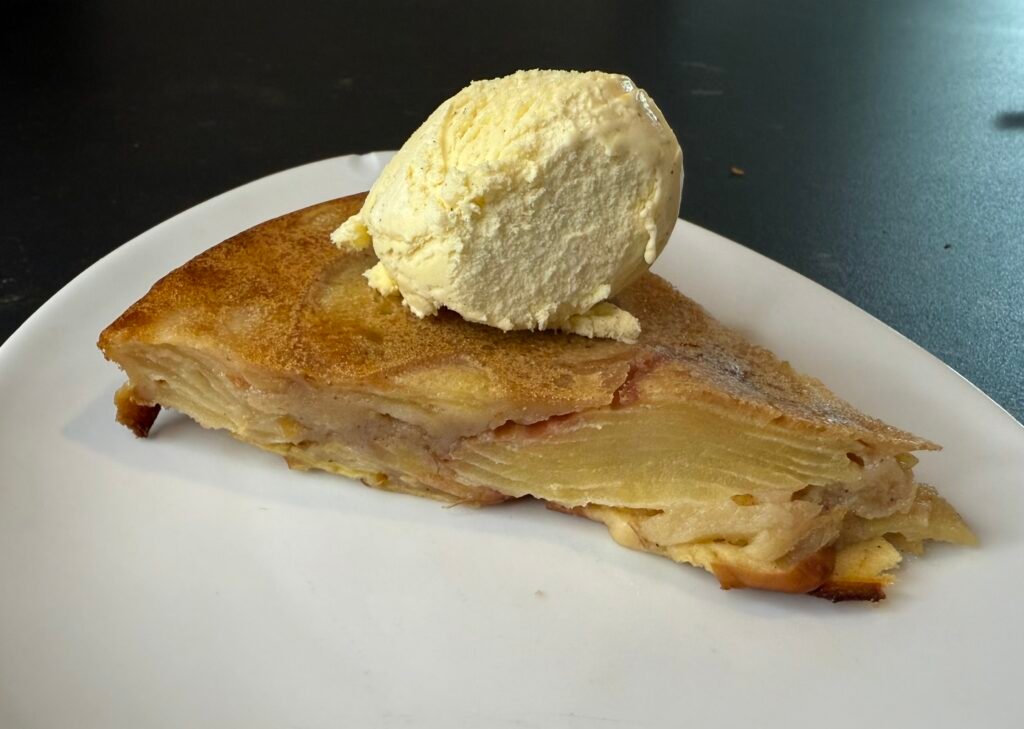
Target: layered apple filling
(683,477)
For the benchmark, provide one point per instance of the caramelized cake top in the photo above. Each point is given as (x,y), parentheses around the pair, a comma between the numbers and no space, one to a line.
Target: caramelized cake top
(280,296)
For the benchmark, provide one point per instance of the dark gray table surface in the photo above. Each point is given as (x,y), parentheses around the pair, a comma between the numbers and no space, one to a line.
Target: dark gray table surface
(883,141)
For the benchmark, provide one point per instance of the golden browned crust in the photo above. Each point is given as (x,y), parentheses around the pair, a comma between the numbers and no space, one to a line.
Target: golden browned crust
(806,575)
(136,416)
(809,575)
(281,297)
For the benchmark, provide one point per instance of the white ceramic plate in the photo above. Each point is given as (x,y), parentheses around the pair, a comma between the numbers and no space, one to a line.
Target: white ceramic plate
(189,580)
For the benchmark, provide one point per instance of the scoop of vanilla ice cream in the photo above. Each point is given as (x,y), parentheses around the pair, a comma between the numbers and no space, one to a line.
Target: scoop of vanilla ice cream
(522,202)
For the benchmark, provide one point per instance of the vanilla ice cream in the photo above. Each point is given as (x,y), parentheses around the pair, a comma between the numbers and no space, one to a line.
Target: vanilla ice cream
(524,202)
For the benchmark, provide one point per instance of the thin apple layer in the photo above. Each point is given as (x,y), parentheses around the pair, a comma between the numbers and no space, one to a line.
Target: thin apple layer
(684,471)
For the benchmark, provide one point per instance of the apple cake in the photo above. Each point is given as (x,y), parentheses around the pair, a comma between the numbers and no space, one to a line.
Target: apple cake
(691,443)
